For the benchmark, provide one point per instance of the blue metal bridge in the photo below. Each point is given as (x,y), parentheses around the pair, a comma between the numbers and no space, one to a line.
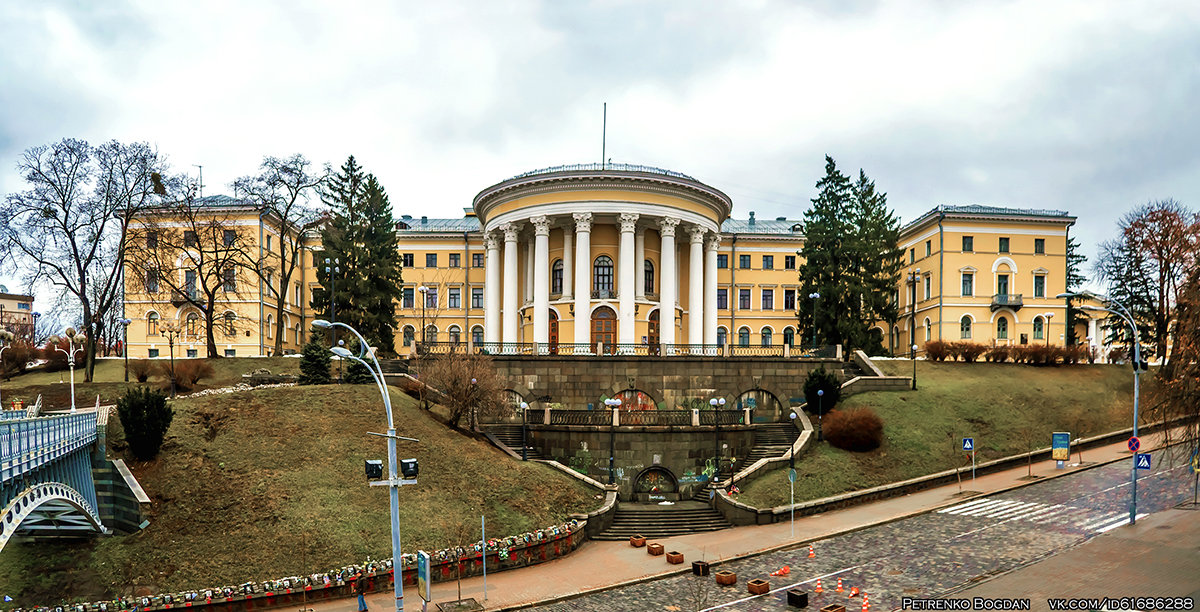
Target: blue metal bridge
(46,485)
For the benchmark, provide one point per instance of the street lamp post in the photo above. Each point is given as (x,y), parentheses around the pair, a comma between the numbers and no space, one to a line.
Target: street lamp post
(814,296)
(1048,315)
(716,404)
(613,403)
(365,350)
(424,291)
(820,414)
(914,360)
(125,344)
(791,456)
(171,329)
(74,345)
(1137,366)
(332,269)
(524,432)
(6,338)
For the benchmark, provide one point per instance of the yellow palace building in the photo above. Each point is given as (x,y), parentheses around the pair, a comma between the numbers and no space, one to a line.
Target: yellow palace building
(634,259)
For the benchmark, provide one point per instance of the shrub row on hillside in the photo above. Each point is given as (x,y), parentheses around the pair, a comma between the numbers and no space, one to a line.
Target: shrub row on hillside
(188,372)
(857,430)
(1034,354)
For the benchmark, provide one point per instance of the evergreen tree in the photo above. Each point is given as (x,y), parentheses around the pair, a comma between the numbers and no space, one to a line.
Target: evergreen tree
(825,226)
(145,416)
(382,268)
(314,363)
(877,258)
(1075,280)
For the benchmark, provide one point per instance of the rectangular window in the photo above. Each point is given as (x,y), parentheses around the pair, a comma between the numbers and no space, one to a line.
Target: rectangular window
(189,238)
(1004,245)
(454,259)
(1039,246)
(744,299)
(431,300)
(152,353)
(744,262)
(968,284)
(928,292)
(768,262)
(229,278)
(24,306)
(722,299)
(228,237)
(151,281)
(1039,286)
(191,353)
(912,255)
(189,283)
(406,260)
(406,297)
(268,244)
(454,298)
(477,297)
(476,260)
(722,261)
(928,247)
(768,299)
(296,299)
(151,240)
(315,259)
(431,260)
(789,299)
(231,352)
(789,262)
(968,244)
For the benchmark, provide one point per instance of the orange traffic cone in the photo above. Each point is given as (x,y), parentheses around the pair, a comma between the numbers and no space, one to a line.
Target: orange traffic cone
(818,589)
(783,571)
(811,553)
(839,586)
(866,603)
(853,592)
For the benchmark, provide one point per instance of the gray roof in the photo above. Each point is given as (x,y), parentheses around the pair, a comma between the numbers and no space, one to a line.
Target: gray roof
(222,200)
(994,211)
(760,226)
(421,225)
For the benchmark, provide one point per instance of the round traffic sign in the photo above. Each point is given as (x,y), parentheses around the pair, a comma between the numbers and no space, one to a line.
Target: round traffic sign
(791,475)
(1196,462)
(1134,444)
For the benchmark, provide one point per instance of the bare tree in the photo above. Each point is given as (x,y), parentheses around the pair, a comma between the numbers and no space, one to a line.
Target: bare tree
(194,249)
(1178,393)
(68,228)
(282,189)
(469,386)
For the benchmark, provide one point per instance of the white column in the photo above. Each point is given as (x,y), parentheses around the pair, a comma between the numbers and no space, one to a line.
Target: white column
(511,307)
(491,291)
(625,286)
(568,262)
(583,277)
(696,286)
(529,271)
(639,265)
(666,264)
(541,280)
(710,289)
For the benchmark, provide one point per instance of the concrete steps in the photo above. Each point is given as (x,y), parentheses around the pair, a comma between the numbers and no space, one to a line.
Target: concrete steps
(655,521)
(772,440)
(510,436)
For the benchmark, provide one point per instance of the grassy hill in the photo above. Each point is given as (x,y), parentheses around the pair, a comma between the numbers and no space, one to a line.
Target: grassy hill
(267,483)
(1007,408)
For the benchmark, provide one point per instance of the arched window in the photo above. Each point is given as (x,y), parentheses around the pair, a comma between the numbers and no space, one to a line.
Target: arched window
(477,335)
(1039,329)
(230,321)
(409,333)
(556,276)
(964,328)
(721,334)
(1002,328)
(649,279)
(430,334)
(928,330)
(192,319)
(298,341)
(152,324)
(602,277)
(744,336)
(454,335)
(789,336)
(766,336)
(270,325)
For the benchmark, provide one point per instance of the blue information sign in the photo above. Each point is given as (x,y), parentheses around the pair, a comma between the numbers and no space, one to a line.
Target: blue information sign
(1060,445)
(1143,461)
(969,444)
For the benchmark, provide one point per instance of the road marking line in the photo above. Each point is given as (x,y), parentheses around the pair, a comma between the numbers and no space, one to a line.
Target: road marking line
(995,503)
(1029,516)
(1105,519)
(1003,504)
(1124,521)
(1057,514)
(965,506)
(1015,510)
(784,588)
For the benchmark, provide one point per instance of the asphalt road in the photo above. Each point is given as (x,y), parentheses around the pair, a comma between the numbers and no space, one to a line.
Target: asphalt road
(930,555)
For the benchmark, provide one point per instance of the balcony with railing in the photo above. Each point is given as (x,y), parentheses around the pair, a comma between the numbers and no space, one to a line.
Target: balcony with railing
(599,349)
(179,298)
(604,294)
(1006,300)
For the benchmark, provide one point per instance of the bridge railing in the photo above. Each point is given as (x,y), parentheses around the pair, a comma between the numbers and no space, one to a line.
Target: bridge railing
(30,443)
(656,417)
(581,417)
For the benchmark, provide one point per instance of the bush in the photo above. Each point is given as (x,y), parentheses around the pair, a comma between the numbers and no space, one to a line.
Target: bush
(954,350)
(314,364)
(188,372)
(141,369)
(971,351)
(1023,354)
(145,417)
(937,350)
(1118,355)
(821,379)
(858,430)
(998,354)
(56,361)
(16,357)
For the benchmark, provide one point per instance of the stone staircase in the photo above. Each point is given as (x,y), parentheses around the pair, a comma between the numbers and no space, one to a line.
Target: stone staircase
(770,440)
(655,521)
(510,436)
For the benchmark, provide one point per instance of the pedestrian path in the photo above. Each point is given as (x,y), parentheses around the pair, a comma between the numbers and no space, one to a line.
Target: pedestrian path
(1088,520)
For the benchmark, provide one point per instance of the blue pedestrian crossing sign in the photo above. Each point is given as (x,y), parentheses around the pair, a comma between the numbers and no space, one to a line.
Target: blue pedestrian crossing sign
(969,444)
(1143,461)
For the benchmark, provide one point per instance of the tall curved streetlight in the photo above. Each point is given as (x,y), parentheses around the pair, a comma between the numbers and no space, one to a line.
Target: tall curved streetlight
(6,338)
(393,483)
(1123,313)
(74,345)
(716,403)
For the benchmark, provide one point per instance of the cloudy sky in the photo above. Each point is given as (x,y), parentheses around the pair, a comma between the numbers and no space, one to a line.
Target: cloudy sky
(1089,106)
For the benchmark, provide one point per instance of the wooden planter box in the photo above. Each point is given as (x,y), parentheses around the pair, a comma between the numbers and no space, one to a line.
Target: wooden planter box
(674,557)
(700,568)
(758,586)
(797,598)
(834,608)
(637,541)
(727,578)
(654,548)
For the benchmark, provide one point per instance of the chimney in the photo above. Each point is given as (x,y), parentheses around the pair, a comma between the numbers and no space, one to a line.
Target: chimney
(424,220)
(751,219)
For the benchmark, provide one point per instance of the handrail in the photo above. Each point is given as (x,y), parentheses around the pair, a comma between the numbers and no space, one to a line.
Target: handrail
(580,417)
(656,417)
(26,444)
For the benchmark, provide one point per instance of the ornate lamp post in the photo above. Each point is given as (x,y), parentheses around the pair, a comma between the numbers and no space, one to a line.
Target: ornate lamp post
(814,296)
(1048,315)
(524,433)
(820,414)
(125,344)
(914,360)
(171,329)
(33,327)
(424,291)
(74,345)
(716,403)
(613,403)
(6,338)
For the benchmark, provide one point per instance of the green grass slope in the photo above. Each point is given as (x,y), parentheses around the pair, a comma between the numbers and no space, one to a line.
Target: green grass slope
(1007,408)
(269,483)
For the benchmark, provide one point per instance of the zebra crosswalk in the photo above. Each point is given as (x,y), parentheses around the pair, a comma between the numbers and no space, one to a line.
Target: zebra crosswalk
(1088,520)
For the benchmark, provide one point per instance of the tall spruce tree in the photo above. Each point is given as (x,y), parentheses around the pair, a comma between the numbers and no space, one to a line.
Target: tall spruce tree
(363,280)
(1075,280)
(850,259)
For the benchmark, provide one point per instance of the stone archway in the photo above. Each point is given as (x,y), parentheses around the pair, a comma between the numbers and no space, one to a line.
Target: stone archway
(654,484)
(765,406)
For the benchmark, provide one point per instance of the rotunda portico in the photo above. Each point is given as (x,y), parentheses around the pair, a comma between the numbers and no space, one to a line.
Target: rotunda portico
(617,254)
